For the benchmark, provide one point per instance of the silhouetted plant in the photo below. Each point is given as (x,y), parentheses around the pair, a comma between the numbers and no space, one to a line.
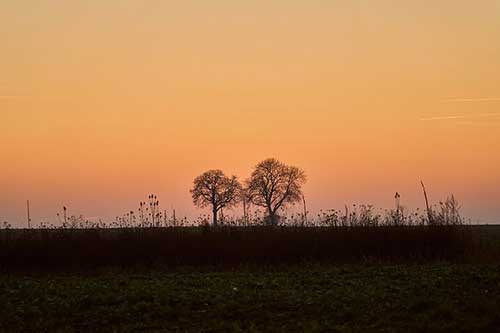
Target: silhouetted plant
(447,213)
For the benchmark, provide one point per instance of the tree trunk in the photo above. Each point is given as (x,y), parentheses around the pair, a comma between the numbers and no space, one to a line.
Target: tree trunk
(272,217)
(245,217)
(214,211)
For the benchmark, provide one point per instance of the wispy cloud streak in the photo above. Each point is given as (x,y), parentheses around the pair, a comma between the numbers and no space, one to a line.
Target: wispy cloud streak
(28,97)
(469,100)
(451,117)
(443,118)
(12,97)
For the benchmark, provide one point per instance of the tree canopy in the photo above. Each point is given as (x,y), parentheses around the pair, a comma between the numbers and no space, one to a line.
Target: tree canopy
(274,185)
(213,188)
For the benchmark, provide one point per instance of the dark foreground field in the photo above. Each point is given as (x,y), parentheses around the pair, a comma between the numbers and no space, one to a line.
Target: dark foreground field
(418,278)
(345,298)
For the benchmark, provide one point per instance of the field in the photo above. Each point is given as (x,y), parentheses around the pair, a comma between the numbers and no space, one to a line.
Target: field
(345,298)
(46,249)
(409,278)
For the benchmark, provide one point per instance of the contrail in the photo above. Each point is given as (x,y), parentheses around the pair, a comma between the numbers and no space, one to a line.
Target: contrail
(460,100)
(11,97)
(443,118)
(25,97)
(485,115)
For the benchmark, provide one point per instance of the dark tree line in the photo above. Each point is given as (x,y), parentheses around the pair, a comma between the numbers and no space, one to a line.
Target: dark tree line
(272,185)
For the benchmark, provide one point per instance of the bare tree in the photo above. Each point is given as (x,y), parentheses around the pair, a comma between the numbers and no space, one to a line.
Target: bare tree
(274,185)
(213,188)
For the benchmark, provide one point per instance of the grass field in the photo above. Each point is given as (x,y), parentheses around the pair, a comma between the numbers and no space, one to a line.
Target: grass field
(400,278)
(346,298)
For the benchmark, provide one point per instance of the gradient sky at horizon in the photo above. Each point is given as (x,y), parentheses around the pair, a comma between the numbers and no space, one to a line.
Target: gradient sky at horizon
(104,102)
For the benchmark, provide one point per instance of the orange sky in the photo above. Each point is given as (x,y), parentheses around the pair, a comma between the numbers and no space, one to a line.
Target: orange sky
(103,102)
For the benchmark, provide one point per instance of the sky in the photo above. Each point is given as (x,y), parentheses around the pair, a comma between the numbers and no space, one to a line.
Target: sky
(104,102)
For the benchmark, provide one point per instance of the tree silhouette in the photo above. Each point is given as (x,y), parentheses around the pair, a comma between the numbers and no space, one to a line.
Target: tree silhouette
(213,188)
(274,185)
